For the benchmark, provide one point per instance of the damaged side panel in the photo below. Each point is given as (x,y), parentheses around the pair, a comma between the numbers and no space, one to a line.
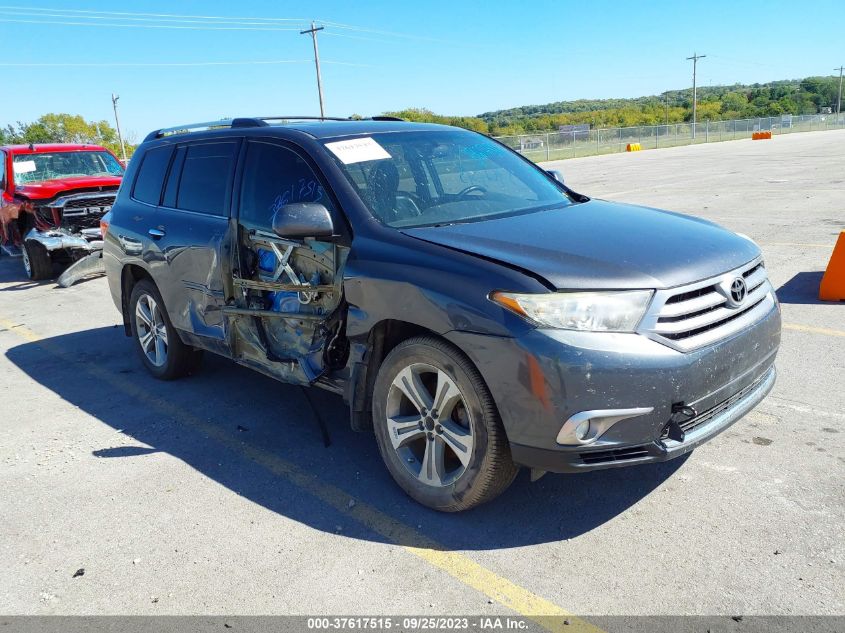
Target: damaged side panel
(192,261)
(288,318)
(10,212)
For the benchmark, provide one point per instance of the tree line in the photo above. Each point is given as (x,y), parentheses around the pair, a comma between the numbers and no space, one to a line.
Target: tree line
(795,96)
(63,128)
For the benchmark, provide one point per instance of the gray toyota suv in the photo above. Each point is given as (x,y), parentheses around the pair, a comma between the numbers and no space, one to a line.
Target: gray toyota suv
(472,310)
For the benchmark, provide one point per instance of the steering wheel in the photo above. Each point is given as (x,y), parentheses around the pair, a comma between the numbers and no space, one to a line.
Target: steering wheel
(407,204)
(468,190)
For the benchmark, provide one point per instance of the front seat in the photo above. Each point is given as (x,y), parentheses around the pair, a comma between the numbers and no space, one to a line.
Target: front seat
(383,185)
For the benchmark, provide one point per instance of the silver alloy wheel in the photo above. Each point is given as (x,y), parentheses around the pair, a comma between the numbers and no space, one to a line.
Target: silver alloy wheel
(27,265)
(429,424)
(151,330)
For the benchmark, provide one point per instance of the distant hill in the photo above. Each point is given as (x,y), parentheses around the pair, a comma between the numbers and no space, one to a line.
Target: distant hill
(790,96)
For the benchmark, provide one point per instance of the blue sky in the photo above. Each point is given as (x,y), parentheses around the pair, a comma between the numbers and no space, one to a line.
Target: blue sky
(452,57)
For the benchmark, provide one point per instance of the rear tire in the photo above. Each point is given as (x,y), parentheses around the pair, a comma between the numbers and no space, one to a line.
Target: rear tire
(37,263)
(158,344)
(437,427)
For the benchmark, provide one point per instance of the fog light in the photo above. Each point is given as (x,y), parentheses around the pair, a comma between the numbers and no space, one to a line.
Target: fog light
(582,430)
(586,427)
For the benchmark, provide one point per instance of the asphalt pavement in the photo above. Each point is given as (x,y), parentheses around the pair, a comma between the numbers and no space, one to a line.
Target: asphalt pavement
(215,495)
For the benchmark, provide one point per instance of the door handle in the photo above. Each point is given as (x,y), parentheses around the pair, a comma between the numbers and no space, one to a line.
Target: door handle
(156,233)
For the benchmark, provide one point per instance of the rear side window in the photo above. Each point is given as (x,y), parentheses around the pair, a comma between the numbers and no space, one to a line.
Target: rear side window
(206,174)
(150,177)
(273,177)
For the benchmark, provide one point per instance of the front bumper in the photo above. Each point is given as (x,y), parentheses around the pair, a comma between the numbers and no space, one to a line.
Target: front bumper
(89,240)
(541,379)
(659,450)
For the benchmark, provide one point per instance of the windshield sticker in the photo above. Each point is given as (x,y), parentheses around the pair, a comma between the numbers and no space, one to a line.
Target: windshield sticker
(24,166)
(358,150)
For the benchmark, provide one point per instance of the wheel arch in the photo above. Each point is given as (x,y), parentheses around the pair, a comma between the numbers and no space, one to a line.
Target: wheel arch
(130,275)
(383,337)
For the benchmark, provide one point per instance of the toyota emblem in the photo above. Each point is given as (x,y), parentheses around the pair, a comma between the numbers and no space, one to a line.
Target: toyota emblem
(738,290)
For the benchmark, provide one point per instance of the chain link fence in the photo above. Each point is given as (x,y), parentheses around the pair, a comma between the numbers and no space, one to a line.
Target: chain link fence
(542,146)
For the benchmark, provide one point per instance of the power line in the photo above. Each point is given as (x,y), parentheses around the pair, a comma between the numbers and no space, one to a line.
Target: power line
(358,37)
(174,17)
(352,27)
(151,26)
(77,17)
(160,64)
(155,15)
(695,57)
(25,14)
(215,26)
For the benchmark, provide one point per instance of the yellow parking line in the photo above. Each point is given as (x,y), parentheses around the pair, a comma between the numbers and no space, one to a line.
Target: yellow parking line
(461,567)
(813,330)
(830,246)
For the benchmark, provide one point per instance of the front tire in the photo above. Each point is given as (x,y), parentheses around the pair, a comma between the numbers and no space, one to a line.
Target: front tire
(36,261)
(158,344)
(437,427)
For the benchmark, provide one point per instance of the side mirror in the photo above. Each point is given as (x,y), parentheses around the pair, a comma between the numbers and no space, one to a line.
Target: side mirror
(303,219)
(557,175)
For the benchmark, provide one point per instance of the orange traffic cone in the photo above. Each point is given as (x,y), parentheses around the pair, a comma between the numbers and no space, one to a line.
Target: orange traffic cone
(832,287)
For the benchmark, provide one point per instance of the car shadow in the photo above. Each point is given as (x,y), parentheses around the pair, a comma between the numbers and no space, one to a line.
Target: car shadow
(803,288)
(11,270)
(248,432)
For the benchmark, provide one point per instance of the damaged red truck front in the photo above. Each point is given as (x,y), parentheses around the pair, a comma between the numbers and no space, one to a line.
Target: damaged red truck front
(52,198)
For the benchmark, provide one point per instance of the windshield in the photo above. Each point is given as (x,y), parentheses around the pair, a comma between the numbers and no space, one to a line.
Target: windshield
(410,179)
(50,166)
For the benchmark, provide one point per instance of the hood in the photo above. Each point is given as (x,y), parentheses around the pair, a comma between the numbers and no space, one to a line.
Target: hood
(601,245)
(50,188)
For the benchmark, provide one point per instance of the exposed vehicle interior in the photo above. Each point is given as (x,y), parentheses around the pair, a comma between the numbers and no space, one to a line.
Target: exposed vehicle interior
(287,290)
(435,178)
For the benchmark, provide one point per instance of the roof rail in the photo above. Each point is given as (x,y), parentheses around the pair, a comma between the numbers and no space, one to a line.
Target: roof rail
(383,117)
(258,121)
(302,118)
(209,125)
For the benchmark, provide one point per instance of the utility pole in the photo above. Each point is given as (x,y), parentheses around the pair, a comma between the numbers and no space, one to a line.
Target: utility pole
(839,99)
(114,99)
(313,31)
(695,57)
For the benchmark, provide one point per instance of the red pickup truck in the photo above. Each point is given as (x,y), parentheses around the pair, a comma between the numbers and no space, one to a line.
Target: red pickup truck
(52,197)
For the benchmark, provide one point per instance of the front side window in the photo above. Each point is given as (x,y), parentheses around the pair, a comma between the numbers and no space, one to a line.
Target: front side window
(206,174)
(29,168)
(426,178)
(273,177)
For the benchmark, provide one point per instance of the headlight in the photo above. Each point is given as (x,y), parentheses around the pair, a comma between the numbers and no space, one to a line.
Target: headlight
(610,311)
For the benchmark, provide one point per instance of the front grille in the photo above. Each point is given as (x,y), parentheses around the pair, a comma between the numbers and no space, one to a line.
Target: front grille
(692,317)
(615,455)
(93,201)
(706,416)
(85,213)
